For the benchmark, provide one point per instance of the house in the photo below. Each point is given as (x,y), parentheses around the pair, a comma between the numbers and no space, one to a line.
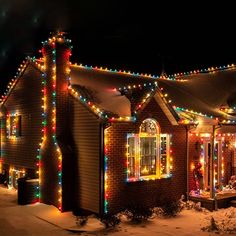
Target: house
(100,140)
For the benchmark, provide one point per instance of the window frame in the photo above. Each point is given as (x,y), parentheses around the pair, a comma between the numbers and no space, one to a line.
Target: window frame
(168,155)
(157,156)
(136,154)
(13,126)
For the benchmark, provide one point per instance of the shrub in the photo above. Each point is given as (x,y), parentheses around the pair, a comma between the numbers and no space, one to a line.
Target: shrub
(110,221)
(171,208)
(81,220)
(138,213)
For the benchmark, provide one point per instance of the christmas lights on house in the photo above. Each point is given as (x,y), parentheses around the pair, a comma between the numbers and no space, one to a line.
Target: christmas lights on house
(105,172)
(15,174)
(163,166)
(44,134)
(165,157)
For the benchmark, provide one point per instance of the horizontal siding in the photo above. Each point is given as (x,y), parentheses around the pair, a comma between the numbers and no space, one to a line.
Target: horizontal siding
(25,100)
(86,133)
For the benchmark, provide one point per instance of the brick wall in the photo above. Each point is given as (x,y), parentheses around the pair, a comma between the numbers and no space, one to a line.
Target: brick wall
(147,193)
(50,156)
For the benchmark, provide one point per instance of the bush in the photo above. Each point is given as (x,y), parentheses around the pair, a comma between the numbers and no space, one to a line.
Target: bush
(110,221)
(81,220)
(171,208)
(138,213)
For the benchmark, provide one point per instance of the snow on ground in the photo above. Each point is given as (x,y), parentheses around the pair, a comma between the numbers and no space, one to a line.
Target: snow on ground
(16,220)
(45,220)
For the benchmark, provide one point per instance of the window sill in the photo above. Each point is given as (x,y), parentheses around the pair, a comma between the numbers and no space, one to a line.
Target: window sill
(166,176)
(148,178)
(143,178)
(13,137)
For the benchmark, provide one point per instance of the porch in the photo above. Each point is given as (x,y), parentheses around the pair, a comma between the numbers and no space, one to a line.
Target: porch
(223,199)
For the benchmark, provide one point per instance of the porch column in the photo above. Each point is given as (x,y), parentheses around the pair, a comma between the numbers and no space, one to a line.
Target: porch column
(212,184)
(187,156)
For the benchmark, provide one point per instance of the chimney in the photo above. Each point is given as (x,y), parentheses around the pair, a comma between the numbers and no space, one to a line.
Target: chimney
(56,53)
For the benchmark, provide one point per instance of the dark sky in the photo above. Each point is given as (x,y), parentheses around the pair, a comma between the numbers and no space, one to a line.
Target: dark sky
(121,34)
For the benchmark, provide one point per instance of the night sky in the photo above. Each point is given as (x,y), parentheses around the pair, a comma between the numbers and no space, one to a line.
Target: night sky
(128,35)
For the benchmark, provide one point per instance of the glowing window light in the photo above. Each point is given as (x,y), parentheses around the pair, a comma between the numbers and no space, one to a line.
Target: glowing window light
(162,167)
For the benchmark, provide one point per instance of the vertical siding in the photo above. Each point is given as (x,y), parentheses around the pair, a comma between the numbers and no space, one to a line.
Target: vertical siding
(86,135)
(25,100)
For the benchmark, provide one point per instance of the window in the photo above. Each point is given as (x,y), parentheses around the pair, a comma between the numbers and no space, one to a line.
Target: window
(13,126)
(148,153)
(14,175)
(165,155)
(131,156)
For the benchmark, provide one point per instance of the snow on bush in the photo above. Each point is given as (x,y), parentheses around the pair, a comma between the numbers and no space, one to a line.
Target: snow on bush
(222,221)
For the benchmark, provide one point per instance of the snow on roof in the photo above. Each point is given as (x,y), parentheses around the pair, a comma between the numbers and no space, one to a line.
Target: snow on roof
(104,88)
(204,92)
(208,93)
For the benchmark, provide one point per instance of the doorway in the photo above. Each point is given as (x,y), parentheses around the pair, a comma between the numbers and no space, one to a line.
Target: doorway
(217,163)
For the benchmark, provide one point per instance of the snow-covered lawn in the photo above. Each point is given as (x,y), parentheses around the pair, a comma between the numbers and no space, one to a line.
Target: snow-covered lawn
(16,220)
(44,220)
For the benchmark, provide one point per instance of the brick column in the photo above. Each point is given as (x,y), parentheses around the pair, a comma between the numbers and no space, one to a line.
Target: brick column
(56,52)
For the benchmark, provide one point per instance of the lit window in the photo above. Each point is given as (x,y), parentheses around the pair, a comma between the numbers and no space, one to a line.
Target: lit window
(131,156)
(165,152)
(14,175)
(148,141)
(148,153)
(13,126)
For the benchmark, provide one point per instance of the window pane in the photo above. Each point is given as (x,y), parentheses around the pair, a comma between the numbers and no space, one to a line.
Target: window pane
(148,127)
(131,157)
(163,155)
(148,152)
(14,126)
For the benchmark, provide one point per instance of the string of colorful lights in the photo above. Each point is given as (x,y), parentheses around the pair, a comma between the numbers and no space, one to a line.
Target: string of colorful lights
(43,139)
(96,109)
(105,173)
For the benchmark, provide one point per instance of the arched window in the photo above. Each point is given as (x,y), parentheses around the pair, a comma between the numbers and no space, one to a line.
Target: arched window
(148,153)
(149,133)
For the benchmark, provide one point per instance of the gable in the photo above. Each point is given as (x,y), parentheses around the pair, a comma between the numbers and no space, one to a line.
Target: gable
(26,90)
(155,109)
(170,114)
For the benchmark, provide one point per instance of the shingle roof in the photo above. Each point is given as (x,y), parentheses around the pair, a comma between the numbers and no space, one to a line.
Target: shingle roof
(205,93)
(110,91)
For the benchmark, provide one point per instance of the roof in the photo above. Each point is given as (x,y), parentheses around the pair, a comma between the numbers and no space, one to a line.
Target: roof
(203,94)
(21,70)
(111,91)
